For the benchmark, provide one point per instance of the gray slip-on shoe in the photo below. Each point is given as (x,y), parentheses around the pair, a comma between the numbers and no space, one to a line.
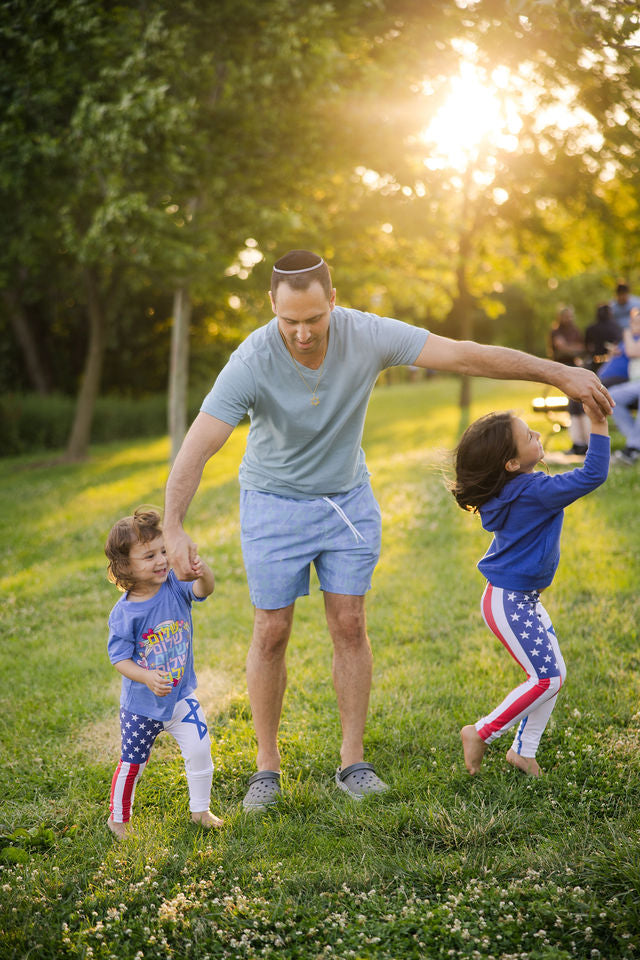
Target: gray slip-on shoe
(264,790)
(360,780)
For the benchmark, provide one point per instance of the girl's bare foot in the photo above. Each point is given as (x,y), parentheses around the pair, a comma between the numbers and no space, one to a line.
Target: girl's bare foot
(526,764)
(206,819)
(119,830)
(474,748)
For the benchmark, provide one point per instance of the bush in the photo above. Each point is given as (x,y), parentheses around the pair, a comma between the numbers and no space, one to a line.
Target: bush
(31,422)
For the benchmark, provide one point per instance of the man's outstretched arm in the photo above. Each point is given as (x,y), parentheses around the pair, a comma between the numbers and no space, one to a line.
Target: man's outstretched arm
(502,363)
(205,437)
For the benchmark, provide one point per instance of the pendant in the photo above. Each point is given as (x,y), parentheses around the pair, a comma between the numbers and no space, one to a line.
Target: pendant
(315,400)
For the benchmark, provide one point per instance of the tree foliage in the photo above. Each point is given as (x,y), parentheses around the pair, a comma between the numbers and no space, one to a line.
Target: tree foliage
(156,147)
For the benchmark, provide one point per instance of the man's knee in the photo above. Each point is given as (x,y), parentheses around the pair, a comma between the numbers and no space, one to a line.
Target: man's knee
(347,621)
(271,632)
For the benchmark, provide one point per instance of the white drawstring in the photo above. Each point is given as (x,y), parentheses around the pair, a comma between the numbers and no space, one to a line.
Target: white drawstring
(343,516)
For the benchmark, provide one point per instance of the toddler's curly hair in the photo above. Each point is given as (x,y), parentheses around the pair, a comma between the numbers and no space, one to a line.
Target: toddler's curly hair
(144,525)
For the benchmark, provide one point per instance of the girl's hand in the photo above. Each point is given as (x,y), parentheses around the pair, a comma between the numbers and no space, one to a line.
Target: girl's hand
(596,424)
(197,566)
(159,682)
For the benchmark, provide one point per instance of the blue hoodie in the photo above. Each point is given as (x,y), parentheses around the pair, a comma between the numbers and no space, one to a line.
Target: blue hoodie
(526,520)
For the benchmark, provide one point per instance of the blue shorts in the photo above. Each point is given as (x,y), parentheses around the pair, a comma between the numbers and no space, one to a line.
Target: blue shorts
(282,537)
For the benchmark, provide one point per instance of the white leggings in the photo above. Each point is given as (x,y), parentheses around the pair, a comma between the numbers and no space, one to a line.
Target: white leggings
(189,728)
(522,624)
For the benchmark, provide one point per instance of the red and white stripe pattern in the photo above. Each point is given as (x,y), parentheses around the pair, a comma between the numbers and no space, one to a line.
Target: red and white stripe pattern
(123,788)
(523,626)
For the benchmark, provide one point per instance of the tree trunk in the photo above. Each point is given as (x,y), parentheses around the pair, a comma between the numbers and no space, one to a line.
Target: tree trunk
(464,302)
(78,445)
(26,341)
(179,369)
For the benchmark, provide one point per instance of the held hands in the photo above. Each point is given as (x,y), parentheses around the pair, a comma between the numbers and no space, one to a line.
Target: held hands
(583,385)
(182,553)
(159,682)
(203,574)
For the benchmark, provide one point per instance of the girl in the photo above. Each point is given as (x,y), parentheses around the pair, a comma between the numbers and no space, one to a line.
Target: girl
(151,645)
(495,475)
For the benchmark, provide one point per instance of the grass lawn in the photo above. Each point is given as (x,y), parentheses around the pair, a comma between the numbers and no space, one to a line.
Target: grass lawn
(445,865)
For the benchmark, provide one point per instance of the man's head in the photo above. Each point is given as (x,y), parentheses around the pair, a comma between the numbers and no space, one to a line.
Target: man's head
(622,292)
(299,269)
(302,299)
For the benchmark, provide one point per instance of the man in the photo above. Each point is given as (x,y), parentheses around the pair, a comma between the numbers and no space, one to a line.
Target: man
(305,379)
(623,303)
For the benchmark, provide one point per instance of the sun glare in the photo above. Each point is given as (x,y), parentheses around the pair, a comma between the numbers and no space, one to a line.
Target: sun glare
(473,114)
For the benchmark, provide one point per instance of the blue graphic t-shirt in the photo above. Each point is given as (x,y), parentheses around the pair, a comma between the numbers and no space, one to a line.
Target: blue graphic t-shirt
(157,634)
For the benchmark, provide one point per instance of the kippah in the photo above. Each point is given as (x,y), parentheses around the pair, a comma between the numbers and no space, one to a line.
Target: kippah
(297,261)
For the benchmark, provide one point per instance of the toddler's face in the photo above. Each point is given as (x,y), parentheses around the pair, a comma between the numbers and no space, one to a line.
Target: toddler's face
(148,564)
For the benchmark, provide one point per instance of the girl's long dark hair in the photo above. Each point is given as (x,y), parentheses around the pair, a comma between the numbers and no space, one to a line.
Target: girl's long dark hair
(480,457)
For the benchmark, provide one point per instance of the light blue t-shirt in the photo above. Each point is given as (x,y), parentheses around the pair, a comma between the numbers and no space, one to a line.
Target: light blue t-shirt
(296,449)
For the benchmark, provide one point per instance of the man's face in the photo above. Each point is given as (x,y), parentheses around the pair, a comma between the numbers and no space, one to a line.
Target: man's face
(303,319)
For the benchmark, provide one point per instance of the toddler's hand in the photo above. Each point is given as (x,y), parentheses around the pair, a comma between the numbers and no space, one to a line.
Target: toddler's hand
(197,566)
(160,682)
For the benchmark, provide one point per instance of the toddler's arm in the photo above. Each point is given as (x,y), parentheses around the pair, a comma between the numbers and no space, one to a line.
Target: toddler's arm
(205,582)
(159,682)
(597,426)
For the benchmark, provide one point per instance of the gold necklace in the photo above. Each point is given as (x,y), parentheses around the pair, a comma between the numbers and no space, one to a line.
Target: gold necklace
(315,399)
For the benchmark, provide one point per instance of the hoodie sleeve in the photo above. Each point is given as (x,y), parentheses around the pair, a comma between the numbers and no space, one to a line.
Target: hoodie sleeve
(562,489)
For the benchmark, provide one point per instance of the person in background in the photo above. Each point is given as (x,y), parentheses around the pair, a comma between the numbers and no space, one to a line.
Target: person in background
(602,337)
(623,303)
(567,346)
(627,395)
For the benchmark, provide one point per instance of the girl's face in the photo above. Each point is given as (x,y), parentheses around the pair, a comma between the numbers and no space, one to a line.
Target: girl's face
(528,446)
(148,566)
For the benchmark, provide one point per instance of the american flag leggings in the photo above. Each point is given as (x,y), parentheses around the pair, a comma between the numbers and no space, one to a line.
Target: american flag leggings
(188,726)
(523,626)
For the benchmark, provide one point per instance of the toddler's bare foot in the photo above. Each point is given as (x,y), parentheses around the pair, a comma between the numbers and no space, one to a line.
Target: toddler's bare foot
(474,748)
(526,764)
(119,830)
(206,819)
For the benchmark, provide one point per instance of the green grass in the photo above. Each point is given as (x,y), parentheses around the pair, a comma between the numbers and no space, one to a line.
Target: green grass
(445,865)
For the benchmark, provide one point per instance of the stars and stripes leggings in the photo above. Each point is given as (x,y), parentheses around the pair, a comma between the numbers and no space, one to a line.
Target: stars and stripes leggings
(524,627)
(189,728)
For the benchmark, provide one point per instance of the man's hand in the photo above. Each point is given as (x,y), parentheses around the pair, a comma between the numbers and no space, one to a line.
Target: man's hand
(182,553)
(583,385)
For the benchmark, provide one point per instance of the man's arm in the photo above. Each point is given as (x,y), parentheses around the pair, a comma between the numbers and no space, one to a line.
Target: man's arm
(502,363)
(206,436)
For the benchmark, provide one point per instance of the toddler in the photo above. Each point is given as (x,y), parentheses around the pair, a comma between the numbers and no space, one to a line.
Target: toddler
(151,645)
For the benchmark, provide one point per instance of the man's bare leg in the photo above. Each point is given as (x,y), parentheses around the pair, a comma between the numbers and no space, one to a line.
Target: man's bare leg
(352,666)
(267,680)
